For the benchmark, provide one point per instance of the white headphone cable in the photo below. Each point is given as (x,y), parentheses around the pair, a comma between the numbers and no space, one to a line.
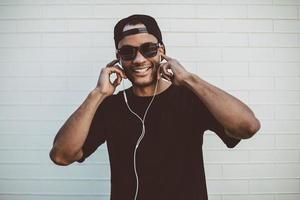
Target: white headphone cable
(141,136)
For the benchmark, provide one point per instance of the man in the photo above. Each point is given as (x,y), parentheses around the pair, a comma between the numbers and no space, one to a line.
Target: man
(154,129)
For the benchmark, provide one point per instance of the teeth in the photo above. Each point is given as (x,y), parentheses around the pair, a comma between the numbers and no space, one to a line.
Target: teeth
(141,70)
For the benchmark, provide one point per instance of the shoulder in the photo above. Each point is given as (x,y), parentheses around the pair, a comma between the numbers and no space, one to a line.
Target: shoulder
(111,102)
(184,93)
(188,99)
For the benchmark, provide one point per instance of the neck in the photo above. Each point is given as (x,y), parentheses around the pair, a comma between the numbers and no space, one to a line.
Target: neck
(149,90)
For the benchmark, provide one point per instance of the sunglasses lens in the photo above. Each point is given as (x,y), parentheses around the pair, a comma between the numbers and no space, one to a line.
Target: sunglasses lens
(127,52)
(149,49)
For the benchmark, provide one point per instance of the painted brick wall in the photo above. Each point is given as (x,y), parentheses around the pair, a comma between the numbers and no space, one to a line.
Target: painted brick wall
(51,53)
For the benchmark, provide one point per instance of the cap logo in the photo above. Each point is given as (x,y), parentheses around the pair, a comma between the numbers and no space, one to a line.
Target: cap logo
(134,31)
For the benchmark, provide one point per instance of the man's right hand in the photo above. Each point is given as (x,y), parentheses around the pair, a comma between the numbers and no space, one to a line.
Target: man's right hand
(104,85)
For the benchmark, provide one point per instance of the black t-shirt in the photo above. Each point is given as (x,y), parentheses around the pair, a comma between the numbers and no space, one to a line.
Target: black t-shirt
(169,158)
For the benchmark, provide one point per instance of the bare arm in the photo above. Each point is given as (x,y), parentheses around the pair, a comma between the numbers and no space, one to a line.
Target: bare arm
(71,136)
(236,117)
(67,145)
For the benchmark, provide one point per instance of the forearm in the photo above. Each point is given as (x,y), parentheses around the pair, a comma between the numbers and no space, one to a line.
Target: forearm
(236,117)
(70,138)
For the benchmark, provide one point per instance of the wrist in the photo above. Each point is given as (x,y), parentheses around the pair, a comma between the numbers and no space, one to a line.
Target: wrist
(97,92)
(189,80)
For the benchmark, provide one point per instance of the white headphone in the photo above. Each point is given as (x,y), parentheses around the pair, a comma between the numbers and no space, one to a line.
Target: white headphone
(142,120)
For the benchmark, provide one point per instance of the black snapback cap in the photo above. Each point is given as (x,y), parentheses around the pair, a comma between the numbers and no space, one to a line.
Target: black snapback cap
(150,23)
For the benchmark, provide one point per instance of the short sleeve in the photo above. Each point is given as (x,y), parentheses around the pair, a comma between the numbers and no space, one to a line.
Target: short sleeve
(97,132)
(208,122)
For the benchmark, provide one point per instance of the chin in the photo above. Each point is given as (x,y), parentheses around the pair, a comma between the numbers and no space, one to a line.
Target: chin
(139,82)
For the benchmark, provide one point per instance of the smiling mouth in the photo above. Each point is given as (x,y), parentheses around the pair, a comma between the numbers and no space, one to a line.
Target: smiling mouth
(141,70)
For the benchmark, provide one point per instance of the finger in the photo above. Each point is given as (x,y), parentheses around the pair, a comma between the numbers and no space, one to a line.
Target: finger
(123,73)
(117,70)
(112,63)
(165,69)
(162,65)
(167,58)
(117,81)
(166,77)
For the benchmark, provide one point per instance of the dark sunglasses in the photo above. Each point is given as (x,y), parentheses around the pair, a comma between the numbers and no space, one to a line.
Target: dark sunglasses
(148,50)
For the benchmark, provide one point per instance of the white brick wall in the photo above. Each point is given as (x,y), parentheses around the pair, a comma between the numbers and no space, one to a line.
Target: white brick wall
(51,53)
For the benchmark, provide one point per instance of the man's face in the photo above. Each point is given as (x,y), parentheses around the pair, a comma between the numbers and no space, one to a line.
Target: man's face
(141,71)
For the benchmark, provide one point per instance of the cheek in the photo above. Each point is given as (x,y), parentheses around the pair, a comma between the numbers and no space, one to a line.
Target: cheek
(126,64)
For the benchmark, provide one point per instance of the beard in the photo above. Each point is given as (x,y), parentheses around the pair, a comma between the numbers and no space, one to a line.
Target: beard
(145,81)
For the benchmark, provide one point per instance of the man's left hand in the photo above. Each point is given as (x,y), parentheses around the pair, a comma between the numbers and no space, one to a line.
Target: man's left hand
(173,71)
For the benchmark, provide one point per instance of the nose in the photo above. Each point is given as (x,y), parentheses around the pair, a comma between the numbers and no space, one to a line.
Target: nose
(139,58)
